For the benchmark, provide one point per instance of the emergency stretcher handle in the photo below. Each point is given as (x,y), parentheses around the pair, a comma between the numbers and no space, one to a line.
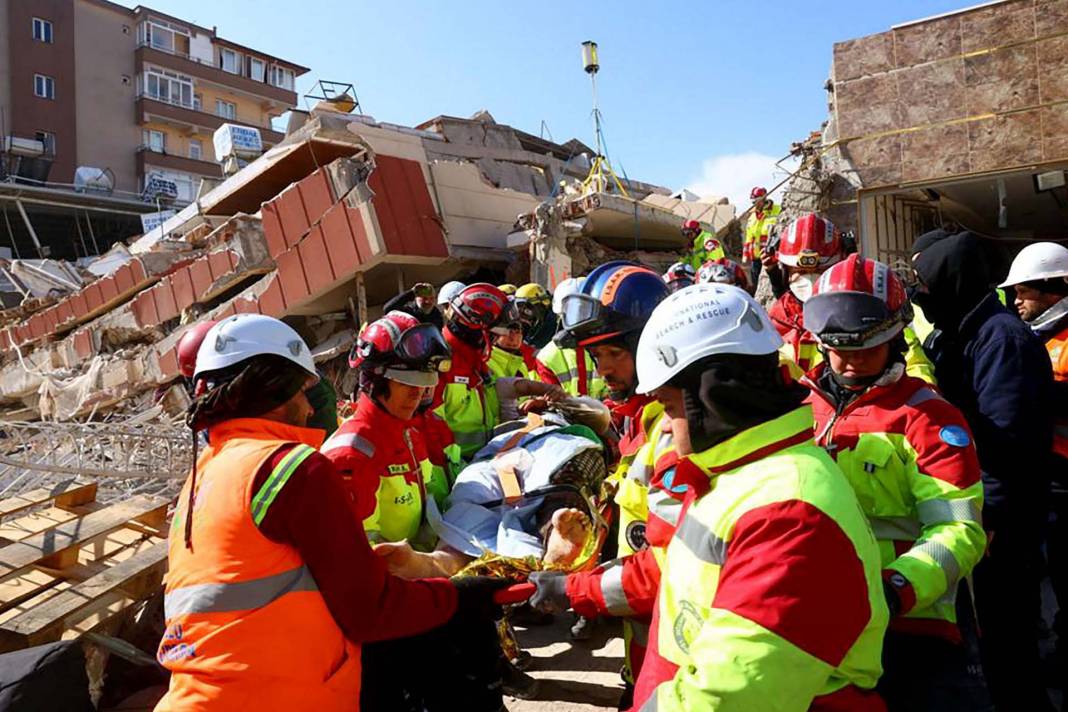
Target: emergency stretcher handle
(517,593)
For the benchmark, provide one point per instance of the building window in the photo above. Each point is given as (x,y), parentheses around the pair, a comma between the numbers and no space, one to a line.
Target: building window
(42,30)
(282,77)
(257,69)
(166,37)
(169,87)
(196,149)
(226,109)
(155,141)
(228,60)
(198,102)
(48,140)
(44,87)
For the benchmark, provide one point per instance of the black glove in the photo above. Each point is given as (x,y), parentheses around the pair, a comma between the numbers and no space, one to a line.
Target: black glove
(474,597)
(551,595)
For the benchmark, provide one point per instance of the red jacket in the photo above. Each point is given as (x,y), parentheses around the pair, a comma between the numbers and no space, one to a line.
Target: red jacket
(788,317)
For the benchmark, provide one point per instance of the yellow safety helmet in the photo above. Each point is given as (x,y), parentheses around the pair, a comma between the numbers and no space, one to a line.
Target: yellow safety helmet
(508,289)
(534,293)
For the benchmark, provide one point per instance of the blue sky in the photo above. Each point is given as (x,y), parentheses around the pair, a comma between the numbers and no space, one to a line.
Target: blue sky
(700,94)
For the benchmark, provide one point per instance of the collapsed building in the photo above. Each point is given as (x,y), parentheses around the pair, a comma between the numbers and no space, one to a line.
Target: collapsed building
(957,121)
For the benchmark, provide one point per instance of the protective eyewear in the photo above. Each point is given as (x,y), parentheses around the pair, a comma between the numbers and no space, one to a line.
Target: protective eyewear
(424,348)
(581,312)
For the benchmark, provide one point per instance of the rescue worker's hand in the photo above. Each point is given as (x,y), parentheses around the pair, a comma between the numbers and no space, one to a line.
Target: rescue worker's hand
(398,556)
(534,405)
(769,260)
(551,593)
(474,597)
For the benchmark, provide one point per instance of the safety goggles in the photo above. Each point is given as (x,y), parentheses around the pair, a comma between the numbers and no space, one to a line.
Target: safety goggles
(582,313)
(424,348)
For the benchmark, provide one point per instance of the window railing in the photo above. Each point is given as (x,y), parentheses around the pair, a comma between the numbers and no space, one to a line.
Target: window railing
(173,101)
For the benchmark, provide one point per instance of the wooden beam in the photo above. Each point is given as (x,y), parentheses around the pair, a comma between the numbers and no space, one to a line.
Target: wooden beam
(67,494)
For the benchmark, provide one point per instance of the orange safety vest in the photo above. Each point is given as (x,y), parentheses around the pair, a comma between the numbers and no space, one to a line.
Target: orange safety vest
(247,627)
(1057,347)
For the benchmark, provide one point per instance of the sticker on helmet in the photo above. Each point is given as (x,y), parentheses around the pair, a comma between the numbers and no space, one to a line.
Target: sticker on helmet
(955,435)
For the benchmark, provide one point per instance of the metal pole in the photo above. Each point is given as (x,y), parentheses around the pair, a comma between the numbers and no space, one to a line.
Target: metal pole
(11,234)
(81,235)
(361,299)
(89,224)
(596,113)
(29,227)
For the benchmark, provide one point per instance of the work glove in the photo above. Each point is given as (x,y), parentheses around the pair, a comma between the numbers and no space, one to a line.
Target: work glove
(474,597)
(551,593)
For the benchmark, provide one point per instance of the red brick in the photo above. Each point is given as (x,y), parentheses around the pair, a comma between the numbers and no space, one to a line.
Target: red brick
(137,271)
(219,262)
(337,236)
(50,318)
(36,326)
(291,276)
(200,275)
(291,214)
(94,298)
(166,305)
(359,234)
(246,306)
(64,311)
(108,289)
(227,312)
(316,261)
(83,344)
(182,283)
(271,301)
(144,309)
(272,229)
(23,335)
(316,194)
(124,278)
(79,305)
(168,364)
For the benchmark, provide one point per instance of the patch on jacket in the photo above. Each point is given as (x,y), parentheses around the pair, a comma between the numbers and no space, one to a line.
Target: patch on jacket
(635,535)
(955,435)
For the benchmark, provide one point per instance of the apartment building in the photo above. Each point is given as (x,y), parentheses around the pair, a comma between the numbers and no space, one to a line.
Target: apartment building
(132,90)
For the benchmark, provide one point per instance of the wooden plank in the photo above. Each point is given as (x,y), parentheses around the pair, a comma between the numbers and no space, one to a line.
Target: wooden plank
(58,547)
(88,604)
(34,523)
(66,494)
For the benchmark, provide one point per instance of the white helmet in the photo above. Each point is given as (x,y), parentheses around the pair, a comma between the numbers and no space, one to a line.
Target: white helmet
(567,287)
(700,321)
(243,336)
(1039,260)
(448,291)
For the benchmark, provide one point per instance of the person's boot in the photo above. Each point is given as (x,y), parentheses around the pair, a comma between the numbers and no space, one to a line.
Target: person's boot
(517,683)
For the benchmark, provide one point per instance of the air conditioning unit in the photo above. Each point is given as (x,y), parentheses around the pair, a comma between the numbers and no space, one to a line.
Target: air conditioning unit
(28,147)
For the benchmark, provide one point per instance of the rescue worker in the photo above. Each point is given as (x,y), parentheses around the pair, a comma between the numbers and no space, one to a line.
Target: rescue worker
(262,609)
(992,367)
(809,246)
(570,368)
(763,215)
(679,275)
(771,594)
(724,271)
(445,295)
(606,318)
(377,452)
(420,302)
(535,313)
(909,455)
(703,244)
(465,396)
(511,358)
(1039,277)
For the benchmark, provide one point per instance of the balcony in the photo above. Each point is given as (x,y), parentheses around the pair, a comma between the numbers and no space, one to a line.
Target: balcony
(187,116)
(209,72)
(148,157)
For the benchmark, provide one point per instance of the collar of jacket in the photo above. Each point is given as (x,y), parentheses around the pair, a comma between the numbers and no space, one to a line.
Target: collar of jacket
(263,429)
(758,442)
(794,311)
(386,425)
(987,307)
(891,377)
(467,360)
(1051,321)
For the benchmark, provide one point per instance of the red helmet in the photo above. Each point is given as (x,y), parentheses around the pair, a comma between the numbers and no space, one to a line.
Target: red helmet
(679,275)
(811,243)
(479,306)
(758,192)
(857,304)
(189,344)
(723,271)
(691,226)
(401,348)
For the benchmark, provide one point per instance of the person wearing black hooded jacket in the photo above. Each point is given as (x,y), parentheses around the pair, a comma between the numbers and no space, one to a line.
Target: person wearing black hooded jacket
(990,365)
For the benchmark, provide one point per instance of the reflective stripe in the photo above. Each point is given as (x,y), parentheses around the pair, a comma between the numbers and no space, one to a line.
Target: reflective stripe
(242,596)
(475,437)
(701,541)
(277,479)
(565,376)
(640,472)
(899,528)
(350,440)
(922,396)
(943,557)
(615,598)
(938,511)
(664,506)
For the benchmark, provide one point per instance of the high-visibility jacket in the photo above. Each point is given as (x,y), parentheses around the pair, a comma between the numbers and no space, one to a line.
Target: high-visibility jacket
(465,397)
(770,594)
(571,369)
(700,252)
(800,352)
(1057,346)
(383,462)
(441,448)
(507,364)
(246,624)
(909,455)
(757,229)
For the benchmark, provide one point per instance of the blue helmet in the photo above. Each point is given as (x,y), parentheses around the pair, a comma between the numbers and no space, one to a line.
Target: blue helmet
(615,302)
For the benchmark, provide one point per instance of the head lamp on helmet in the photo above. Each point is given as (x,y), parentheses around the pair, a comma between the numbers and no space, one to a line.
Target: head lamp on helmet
(810,243)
